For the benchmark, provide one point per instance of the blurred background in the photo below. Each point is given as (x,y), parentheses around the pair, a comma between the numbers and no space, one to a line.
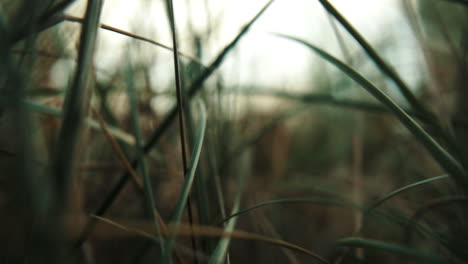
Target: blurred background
(283,124)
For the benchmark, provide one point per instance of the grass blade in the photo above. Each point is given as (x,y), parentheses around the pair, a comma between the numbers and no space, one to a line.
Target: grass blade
(381,64)
(189,178)
(221,250)
(148,191)
(394,248)
(137,37)
(446,161)
(76,102)
(141,229)
(295,200)
(180,107)
(403,189)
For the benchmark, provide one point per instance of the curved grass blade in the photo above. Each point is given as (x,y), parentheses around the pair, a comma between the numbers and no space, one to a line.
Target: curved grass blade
(221,250)
(393,75)
(418,254)
(381,64)
(180,107)
(295,200)
(137,37)
(431,205)
(403,189)
(148,191)
(76,101)
(114,131)
(141,229)
(445,159)
(189,178)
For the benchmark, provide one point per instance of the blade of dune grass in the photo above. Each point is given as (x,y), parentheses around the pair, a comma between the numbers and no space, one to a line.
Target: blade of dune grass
(427,207)
(76,101)
(118,150)
(165,124)
(140,156)
(137,37)
(221,250)
(205,231)
(34,191)
(445,159)
(189,178)
(379,61)
(403,189)
(292,201)
(52,16)
(418,254)
(180,107)
(114,131)
(393,75)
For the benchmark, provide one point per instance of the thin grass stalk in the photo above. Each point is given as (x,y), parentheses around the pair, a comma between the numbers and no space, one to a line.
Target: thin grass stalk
(136,37)
(330,202)
(148,190)
(187,186)
(181,230)
(156,135)
(180,108)
(444,158)
(76,102)
(401,190)
(221,251)
(118,150)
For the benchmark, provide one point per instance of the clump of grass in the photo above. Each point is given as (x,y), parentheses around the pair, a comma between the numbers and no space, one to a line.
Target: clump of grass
(246,190)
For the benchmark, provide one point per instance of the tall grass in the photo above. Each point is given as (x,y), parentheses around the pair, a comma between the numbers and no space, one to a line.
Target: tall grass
(225,186)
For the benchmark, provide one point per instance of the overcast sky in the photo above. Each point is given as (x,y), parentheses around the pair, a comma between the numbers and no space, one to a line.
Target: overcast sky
(260,58)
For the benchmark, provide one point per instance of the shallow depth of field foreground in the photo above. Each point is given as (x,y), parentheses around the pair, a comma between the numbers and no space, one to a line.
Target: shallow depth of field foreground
(189,132)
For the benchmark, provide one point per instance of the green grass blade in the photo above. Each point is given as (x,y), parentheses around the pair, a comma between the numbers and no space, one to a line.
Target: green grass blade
(221,250)
(403,189)
(76,101)
(137,37)
(446,161)
(135,120)
(381,64)
(189,179)
(394,248)
(295,200)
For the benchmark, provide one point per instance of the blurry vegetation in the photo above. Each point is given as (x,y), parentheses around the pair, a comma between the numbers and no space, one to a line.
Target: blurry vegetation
(92,172)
